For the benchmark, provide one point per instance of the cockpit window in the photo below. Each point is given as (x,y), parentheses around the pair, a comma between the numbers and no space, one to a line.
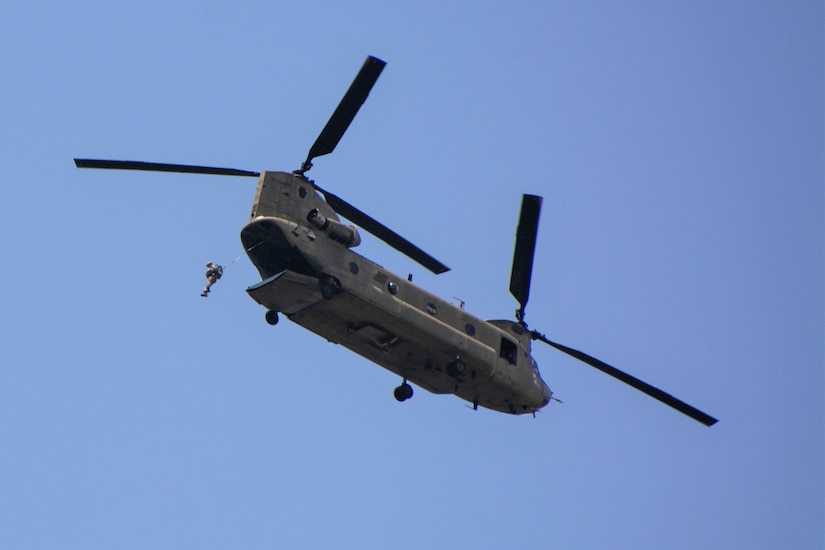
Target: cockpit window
(509,351)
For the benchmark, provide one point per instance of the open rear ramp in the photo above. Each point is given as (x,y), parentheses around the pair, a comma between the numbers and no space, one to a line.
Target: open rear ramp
(287,292)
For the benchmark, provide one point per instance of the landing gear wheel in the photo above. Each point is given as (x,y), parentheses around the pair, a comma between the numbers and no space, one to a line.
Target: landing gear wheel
(403,392)
(330,286)
(398,395)
(271,317)
(456,368)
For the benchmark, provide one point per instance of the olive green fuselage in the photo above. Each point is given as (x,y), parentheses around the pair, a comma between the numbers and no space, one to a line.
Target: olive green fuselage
(310,274)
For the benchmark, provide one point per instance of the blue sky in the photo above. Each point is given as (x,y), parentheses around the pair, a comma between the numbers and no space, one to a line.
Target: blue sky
(679,149)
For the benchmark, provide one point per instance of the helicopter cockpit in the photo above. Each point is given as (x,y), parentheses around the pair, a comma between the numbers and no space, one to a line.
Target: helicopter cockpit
(547,394)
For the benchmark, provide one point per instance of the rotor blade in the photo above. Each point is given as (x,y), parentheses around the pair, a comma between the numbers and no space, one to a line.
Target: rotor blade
(347,109)
(161,167)
(525,250)
(644,387)
(371,225)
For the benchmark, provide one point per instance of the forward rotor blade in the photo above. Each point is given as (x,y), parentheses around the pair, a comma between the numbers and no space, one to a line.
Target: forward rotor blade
(373,226)
(161,167)
(346,110)
(644,387)
(524,252)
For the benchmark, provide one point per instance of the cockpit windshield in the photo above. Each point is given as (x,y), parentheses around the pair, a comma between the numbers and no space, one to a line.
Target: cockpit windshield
(547,395)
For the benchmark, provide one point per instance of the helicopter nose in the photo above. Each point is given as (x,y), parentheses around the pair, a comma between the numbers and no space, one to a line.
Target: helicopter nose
(547,395)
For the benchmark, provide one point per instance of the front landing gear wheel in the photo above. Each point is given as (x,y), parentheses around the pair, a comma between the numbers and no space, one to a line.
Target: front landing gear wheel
(403,392)
(271,317)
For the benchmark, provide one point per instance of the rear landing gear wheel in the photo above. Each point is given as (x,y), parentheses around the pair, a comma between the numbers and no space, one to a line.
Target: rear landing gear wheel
(403,392)
(271,317)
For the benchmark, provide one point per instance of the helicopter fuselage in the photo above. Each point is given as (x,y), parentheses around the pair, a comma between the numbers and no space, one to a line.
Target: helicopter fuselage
(310,274)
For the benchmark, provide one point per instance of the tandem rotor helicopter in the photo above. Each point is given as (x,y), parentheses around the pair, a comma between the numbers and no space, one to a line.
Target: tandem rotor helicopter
(311,275)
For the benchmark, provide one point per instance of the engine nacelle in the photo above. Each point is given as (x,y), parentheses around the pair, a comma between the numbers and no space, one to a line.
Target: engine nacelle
(344,234)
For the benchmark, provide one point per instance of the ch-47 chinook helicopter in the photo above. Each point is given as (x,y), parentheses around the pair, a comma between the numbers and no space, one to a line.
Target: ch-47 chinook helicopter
(311,275)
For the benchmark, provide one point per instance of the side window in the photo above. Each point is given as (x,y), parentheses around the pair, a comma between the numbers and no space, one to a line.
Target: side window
(509,351)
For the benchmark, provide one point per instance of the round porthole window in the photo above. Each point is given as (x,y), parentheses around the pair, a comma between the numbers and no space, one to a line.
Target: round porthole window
(393,288)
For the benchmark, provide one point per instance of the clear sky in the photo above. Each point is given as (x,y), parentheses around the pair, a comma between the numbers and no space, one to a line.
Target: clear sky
(679,149)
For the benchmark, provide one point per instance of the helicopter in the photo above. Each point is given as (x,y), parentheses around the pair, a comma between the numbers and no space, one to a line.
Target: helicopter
(311,275)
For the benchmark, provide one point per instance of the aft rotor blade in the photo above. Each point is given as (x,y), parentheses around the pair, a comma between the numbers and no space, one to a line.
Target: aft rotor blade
(161,167)
(525,249)
(373,226)
(347,109)
(653,392)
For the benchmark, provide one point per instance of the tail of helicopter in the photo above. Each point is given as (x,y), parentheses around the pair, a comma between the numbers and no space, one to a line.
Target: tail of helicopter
(287,196)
